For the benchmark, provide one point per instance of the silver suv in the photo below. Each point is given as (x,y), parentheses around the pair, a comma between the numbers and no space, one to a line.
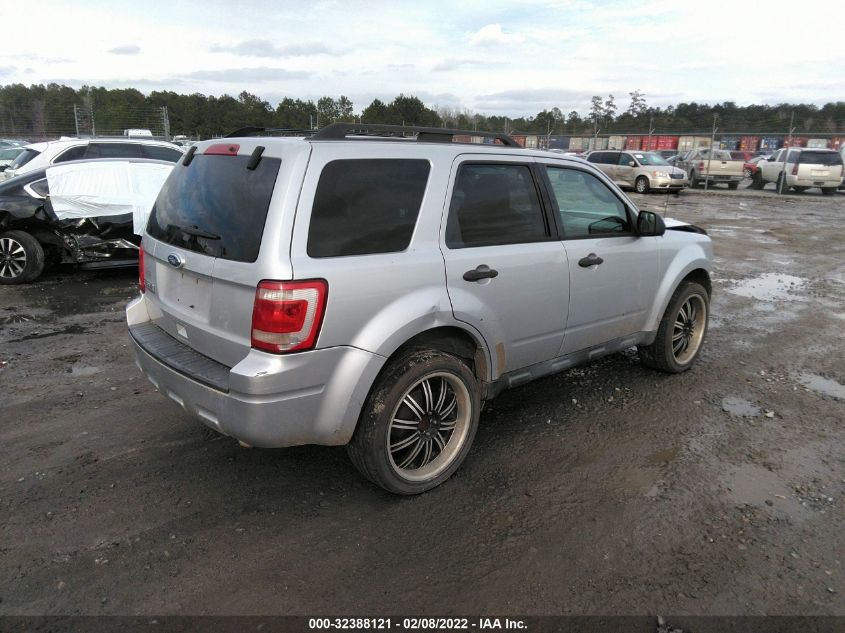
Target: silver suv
(371,291)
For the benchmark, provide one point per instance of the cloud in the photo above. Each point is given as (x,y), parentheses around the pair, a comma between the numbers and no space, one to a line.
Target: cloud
(493,35)
(7,70)
(261,73)
(30,57)
(456,64)
(266,48)
(530,100)
(126,49)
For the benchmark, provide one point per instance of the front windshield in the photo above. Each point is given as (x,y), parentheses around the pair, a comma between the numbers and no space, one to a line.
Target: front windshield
(650,158)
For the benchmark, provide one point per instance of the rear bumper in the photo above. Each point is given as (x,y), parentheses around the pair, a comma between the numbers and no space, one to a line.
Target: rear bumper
(722,178)
(795,181)
(266,400)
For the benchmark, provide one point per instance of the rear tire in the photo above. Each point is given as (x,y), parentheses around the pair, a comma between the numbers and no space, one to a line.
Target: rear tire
(641,185)
(680,335)
(800,189)
(828,191)
(418,422)
(21,258)
(746,173)
(733,186)
(694,182)
(757,181)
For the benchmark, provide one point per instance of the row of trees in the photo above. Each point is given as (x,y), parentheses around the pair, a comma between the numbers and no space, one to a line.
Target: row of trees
(46,111)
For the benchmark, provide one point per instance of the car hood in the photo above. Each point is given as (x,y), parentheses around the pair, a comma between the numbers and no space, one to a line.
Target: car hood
(677,225)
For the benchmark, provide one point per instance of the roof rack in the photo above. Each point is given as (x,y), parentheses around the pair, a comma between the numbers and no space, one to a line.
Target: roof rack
(341,131)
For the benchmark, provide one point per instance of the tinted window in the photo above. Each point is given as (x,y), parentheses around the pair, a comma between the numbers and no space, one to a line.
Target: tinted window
(74,153)
(596,157)
(161,153)
(23,158)
(820,158)
(219,196)
(113,150)
(494,204)
(364,207)
(9,153)
(610,158)
(793,156)
(40,187)
(587,207)
(625,159)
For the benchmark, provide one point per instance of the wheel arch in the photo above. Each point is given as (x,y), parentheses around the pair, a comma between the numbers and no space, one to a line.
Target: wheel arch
(697,270)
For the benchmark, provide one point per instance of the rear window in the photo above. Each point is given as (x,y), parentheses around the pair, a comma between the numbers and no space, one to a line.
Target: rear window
(74,153)
(161,153)
(113,150)
(820,158)
(215,206)
(23,158)
(364,207)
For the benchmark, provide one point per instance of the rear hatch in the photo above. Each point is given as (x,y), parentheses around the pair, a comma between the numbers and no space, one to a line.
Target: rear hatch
(204,240)
(823,168)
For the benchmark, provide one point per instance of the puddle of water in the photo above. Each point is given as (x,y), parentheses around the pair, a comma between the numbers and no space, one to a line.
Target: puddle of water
(769,287)
(758,486)
(81,370)
(823,385)
(739,407)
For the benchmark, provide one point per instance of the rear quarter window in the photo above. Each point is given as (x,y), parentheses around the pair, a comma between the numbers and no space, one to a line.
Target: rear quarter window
(366,206)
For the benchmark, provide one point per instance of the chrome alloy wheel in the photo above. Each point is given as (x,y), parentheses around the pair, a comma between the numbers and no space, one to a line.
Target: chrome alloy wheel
(429,426)
(12,258)
(689,329)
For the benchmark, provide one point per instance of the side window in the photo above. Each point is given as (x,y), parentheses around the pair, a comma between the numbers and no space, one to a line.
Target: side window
(363,207)
(39,188)
(793,156)
(624,159)
(73,153)
(595,157)
(161,153)
(493,205)
(113,150)
(587,207)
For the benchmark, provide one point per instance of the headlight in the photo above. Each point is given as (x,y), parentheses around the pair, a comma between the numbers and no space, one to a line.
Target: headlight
(661,174)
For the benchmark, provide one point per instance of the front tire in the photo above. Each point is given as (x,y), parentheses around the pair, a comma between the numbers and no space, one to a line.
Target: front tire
(733,186)
(21,258)
(680,335)
(418,423)
(746,173)
(641,185)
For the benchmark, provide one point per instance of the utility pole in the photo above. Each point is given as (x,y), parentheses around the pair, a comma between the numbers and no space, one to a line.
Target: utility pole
(165,119)
(710,151)
(650,132)
(76,119)
(782,184)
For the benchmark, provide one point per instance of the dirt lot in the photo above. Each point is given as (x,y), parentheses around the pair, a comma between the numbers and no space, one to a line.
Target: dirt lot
(606,489)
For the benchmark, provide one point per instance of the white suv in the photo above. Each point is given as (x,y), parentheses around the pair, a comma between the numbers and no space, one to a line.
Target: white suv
(805,168)
(352,289)
(41,155)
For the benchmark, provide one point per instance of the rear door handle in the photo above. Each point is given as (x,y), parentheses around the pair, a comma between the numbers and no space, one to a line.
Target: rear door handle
(481,272)
(590,260)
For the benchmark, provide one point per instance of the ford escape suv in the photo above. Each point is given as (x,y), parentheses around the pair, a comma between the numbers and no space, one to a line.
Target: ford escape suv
(350,288)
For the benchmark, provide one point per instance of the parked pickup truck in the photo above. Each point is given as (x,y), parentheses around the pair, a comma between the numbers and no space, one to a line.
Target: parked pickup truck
(721,168)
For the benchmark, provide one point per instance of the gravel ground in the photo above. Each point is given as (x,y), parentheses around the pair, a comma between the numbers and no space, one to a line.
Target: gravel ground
(607,489)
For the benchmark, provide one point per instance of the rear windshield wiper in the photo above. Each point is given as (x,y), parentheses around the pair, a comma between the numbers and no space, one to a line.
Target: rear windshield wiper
(192,230)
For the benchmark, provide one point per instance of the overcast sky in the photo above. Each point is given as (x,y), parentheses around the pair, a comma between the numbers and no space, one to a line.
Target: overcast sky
(511,58)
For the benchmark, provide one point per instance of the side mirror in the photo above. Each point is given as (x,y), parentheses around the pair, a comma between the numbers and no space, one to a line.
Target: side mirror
(650,224)
(631,163)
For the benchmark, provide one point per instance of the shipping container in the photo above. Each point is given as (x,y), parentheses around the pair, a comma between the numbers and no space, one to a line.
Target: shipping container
(478,139)
(797,141)
(771,143)
(616,142)
(633,142)
(576,144)
(559,142)
(519,138)
(837,141)
(531,141)
(749,143)
(818,143)
(460,138)
(729,143)
(667,142)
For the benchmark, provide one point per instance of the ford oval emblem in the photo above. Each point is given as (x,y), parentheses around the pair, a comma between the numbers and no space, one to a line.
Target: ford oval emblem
(174,260)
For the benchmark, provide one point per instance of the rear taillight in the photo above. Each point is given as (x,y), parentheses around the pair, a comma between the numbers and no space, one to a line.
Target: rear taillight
(287,315)
(142,277)
(701,166)
(795,169)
